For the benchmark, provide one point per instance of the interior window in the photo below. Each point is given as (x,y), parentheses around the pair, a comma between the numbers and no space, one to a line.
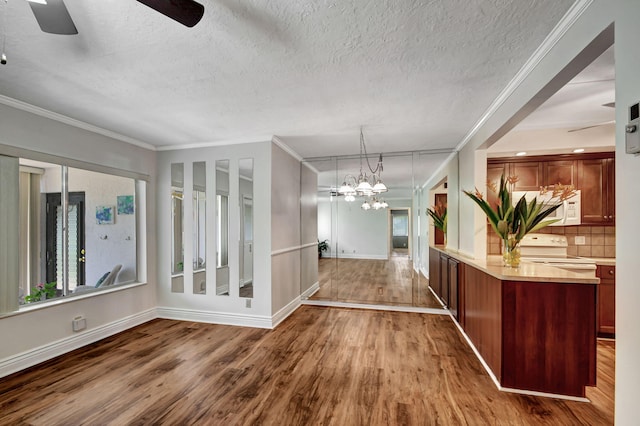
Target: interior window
(77,231)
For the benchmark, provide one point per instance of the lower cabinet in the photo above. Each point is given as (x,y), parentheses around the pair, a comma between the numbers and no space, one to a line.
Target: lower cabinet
(606,300)
(444,279)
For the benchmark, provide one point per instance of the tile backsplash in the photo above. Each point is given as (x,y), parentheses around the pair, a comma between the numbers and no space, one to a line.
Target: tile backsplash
(599,241)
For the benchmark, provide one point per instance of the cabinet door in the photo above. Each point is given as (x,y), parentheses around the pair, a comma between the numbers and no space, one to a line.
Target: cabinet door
(592,183)
(453,287)
(564,172)
(611,190)
(494,172)
(434,270)
(606,300)
(444,279)
(529,175)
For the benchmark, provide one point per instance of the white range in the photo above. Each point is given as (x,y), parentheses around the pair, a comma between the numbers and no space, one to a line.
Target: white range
(551,249)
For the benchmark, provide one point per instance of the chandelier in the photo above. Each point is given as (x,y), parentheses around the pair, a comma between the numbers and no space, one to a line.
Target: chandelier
(369,186)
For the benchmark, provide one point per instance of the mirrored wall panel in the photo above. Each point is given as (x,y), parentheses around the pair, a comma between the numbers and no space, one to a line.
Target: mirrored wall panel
(222,227)
(177,228)
(245,169)
(199,227)
(370,245)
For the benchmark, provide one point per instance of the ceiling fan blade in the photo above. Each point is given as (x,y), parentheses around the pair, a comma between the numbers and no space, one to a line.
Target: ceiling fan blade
(53,17)
(187,12)
(591,127)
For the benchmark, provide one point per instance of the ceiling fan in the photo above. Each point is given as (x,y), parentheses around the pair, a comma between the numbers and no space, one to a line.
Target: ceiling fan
(609,105)
(53,16)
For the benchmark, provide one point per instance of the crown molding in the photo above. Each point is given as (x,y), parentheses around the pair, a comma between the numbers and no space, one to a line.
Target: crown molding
(213,144)
(276,140)
(23,106)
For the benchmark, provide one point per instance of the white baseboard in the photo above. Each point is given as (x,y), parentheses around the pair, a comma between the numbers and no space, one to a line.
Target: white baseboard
(43,353)
(223,318)
(310,291)
(283,313)
(360,256)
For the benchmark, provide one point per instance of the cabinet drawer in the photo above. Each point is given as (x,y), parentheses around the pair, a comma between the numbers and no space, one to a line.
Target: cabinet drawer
(607,272)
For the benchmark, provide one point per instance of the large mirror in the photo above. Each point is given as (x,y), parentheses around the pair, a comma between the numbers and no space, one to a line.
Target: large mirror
(199,227)
(245,168)
(222,227)
(372,252)
(177,228)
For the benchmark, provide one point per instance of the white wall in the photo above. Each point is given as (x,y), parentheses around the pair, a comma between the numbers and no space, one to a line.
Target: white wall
(44,328)
(285,228)
(627,207)
(353,232)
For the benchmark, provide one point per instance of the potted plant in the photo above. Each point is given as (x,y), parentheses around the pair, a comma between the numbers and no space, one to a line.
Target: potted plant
(322,246)
(512,222)
(439,216)
(41,291)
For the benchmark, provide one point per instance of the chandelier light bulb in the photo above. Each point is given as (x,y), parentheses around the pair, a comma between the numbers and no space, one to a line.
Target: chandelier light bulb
(349,198)
(366,205)
(384,204)
(379,187)
(345,188)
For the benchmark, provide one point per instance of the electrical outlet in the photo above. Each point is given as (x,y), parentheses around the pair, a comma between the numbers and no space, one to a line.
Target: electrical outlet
(580,240)
(247,303)
(79,323)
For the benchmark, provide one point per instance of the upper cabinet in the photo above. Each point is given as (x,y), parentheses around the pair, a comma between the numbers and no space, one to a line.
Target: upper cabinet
(596,180)
(564,172)
(592,174)
(529,175)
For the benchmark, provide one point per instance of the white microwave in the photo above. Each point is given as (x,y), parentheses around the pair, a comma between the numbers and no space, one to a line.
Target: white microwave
(569,213)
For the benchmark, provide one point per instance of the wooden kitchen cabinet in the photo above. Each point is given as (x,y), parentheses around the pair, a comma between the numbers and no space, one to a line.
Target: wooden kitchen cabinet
(494,172)
(444,279)
(592,173)
(529,175)
(606,300)
(434,270)
(564,172)
(453,280)
(596,181)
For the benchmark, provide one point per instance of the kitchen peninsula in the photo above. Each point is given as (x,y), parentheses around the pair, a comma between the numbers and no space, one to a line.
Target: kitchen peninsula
(534,326)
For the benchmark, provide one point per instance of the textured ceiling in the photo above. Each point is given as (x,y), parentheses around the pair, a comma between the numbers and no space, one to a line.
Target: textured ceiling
(415,74)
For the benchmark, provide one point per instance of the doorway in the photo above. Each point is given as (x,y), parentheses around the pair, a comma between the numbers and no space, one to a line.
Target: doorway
(54,240)
(400,233)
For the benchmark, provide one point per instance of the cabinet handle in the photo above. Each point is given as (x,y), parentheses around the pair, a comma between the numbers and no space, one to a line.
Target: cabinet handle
(610,271)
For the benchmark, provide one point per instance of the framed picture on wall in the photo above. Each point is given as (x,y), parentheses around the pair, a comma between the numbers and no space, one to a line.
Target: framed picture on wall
(105,215)
(125,204)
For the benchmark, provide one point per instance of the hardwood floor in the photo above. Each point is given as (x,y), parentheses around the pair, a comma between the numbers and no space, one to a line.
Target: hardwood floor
(384,282)
(326,366)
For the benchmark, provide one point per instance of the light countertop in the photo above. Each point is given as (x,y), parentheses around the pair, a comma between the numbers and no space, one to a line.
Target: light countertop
(528,271)
(604,261)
